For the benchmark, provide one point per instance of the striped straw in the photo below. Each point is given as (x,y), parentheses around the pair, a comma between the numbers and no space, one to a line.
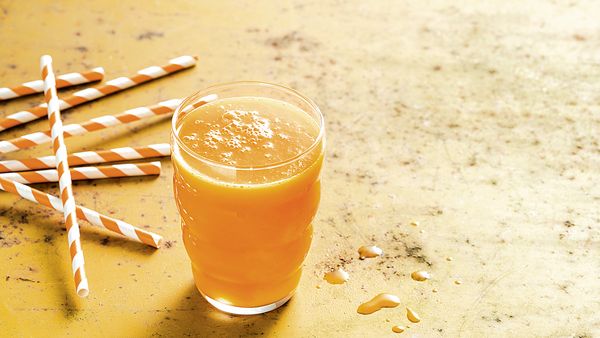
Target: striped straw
(64,177)
(88,157)
(93,217)
(65,80)
(87,173)
(99,91)
(98,123)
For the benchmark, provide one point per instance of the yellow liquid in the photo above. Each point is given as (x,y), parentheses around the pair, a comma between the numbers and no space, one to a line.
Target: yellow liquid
(247,232)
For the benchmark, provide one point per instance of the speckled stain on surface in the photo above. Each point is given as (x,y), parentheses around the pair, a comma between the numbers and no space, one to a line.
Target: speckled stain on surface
(480,121)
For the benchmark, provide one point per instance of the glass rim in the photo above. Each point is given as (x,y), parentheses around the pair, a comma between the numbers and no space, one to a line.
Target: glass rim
(207,91)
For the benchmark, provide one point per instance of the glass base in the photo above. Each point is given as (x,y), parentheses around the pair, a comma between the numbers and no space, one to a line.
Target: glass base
(246,310)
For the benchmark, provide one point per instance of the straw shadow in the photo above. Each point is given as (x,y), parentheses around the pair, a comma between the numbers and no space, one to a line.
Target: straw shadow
(193,316)
(32,100)
(117,181)
(55,238)
(51,225)
(101,139)
(124,182)
(109,239)
(155,125)
(23,102)
(92,233)
(89,233)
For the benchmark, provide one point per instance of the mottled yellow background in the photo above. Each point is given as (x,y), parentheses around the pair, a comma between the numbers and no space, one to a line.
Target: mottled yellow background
(479,119)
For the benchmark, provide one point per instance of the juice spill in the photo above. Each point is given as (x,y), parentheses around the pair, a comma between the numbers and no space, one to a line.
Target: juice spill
(412,315)
(380,301)
(398,329)
(420,276)
(369,251)
(338,276)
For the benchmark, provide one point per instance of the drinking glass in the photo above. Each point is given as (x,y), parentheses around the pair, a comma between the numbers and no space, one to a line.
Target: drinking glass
(247,229)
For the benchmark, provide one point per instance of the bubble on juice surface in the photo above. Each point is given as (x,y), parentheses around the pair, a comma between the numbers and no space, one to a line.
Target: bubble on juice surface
(191,140)
(226,158)
(255,131)
(248,123)
(212,139)
(191,137)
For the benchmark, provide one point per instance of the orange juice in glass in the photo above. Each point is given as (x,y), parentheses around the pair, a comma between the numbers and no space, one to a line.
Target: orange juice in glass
(247,159)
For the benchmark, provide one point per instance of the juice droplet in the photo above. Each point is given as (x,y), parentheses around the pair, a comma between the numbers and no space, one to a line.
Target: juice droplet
(380,301)
(412,315)
(369,251)
(398,329)
(338,276)
(415,223)
(420,276)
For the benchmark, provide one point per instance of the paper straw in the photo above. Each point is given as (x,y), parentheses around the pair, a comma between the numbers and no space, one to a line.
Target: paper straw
(64,176)
(102,122)
(99,91)
(89,157)
(87,173)
(65,80)
(93,217)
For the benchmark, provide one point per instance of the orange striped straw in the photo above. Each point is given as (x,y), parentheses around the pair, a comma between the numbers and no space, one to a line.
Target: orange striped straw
(89,157)
(98,123)
(87,173)
(93,93)
(93,217)
(64,177)
(65,80)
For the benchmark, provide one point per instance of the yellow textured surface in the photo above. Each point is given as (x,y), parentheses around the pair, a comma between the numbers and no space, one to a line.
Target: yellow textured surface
(478,120)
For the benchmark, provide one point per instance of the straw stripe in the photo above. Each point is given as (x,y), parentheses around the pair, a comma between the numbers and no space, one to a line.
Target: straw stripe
(93,217)
(99,91)
(64,177)
(87,173)
(89,157)
(102,122)
(65,80)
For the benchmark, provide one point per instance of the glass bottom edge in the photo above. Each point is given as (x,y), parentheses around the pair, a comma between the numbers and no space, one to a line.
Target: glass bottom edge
(246,311)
